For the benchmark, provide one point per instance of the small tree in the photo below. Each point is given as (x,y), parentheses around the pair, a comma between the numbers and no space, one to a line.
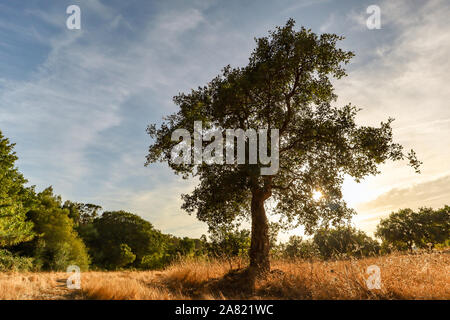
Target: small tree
(186,247)
(285,86)
(296,247)
(125,233)
(57,244)
(229,242)
(398,229)
(82,213)
(435,226)
(405,228)
(344,241)
(122,256)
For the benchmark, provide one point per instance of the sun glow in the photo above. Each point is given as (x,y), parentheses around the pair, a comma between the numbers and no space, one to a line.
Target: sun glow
(317,195)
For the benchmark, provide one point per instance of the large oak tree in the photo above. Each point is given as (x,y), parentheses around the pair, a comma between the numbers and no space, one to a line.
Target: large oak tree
(286,86)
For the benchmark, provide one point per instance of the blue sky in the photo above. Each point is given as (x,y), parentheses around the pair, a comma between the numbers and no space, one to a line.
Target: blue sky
(77,102)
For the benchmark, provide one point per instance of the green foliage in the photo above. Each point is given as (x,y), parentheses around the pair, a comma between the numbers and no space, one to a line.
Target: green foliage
(434,226)
(296,247)
(117,228)
(14,228)
(11,262)
(344,241)
(82,213)
(121,256)
(57,245)
(156,260)
(405,228)
(184,247)
(229,242)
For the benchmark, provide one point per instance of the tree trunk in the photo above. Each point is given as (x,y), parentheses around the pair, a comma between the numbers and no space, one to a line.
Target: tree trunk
(259,248)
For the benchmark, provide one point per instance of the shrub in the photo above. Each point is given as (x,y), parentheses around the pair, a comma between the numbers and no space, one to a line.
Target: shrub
(11,262)
(296,247)
(345,241)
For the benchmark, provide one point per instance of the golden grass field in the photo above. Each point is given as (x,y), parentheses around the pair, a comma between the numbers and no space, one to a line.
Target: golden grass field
(403,276)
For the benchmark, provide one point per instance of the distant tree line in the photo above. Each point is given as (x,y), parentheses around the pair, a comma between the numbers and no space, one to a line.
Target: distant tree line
(38,231)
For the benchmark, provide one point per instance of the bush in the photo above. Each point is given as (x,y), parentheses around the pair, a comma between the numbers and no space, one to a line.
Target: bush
(153,261)
(229,242)
(406,228)
(296,247)
(124,256)
(11,262)
(128,236)
(345,241)
(57,245)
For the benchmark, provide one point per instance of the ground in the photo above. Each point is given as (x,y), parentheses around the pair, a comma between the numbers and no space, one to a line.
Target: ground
(403,276)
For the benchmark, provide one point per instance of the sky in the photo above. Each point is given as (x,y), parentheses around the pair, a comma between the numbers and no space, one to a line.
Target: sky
(77,102)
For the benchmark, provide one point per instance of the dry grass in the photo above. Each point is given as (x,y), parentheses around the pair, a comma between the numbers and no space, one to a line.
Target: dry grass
(31,286)
(424,276)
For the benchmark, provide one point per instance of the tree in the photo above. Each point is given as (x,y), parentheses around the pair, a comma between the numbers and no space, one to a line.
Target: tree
(57,245)
(117,229)
(229,242)
(296,247)
(83,216)
(14,228)
(344,241)
(405,228)
(185,247)
(398,229)
(435,226)
(286,86)
(82,213)
(180,247)
(122,256)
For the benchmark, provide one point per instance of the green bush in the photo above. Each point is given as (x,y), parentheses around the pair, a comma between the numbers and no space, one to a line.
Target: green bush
(406,228)
(11,262)
(153,261)
(113,230)
(344,242)
(296,247)
(57,245)
(124,256)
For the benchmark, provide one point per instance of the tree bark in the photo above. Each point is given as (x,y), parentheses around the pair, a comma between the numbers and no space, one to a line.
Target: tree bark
(259,248)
